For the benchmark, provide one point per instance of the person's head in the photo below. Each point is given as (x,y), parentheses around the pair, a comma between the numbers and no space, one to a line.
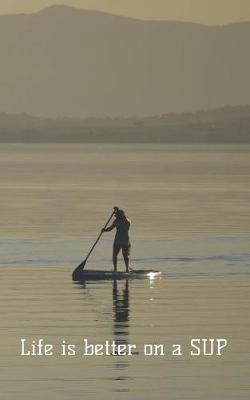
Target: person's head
(120,214)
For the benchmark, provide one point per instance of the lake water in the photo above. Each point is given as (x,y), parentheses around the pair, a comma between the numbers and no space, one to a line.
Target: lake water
(189,207)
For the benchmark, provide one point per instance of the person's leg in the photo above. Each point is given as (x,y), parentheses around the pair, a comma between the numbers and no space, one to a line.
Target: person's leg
(126,253)
(116,249)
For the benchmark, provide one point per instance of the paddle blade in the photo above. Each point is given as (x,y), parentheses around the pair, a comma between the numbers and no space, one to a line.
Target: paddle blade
(82,265)
(78,269)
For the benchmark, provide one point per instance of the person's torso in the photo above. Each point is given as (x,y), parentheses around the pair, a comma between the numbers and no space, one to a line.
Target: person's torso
(122,231)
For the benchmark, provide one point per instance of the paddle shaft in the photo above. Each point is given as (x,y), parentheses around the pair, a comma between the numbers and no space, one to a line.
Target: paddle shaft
(97,240)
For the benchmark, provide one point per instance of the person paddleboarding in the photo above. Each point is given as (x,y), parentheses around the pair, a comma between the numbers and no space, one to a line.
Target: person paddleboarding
(122,240)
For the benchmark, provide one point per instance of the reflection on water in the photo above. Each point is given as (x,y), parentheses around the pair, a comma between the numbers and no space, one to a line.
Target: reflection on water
(121,310)
(43,302)
(121,316)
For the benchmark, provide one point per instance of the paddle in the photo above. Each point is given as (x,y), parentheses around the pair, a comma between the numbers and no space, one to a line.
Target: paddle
(82,265)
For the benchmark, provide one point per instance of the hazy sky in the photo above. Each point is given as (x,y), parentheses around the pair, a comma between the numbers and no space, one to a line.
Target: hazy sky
(202,11)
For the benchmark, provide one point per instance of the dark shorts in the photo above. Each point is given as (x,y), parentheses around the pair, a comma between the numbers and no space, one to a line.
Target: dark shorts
(125,247)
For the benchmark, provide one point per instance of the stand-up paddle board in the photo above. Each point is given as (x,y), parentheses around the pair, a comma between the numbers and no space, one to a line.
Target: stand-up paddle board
(80,274)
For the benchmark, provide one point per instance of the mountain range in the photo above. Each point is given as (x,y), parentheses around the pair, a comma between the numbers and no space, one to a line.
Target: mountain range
(63,61)
(223,125)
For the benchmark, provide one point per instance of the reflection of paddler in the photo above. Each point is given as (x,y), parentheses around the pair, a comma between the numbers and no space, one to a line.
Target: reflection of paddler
(121,241)
(121,305)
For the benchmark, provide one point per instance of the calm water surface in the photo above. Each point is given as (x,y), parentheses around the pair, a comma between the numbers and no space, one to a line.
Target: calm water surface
(190,213)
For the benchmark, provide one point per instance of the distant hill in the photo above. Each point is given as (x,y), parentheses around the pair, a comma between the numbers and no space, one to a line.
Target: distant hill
(70,62)
(224,125)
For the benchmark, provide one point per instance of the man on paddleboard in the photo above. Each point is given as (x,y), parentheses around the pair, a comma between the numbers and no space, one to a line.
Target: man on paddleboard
(121,241)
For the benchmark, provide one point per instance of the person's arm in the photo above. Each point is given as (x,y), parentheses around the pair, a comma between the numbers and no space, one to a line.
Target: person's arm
(109,228)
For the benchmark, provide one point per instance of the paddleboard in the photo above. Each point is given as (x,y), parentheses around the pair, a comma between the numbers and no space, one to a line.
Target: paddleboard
(80,274)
